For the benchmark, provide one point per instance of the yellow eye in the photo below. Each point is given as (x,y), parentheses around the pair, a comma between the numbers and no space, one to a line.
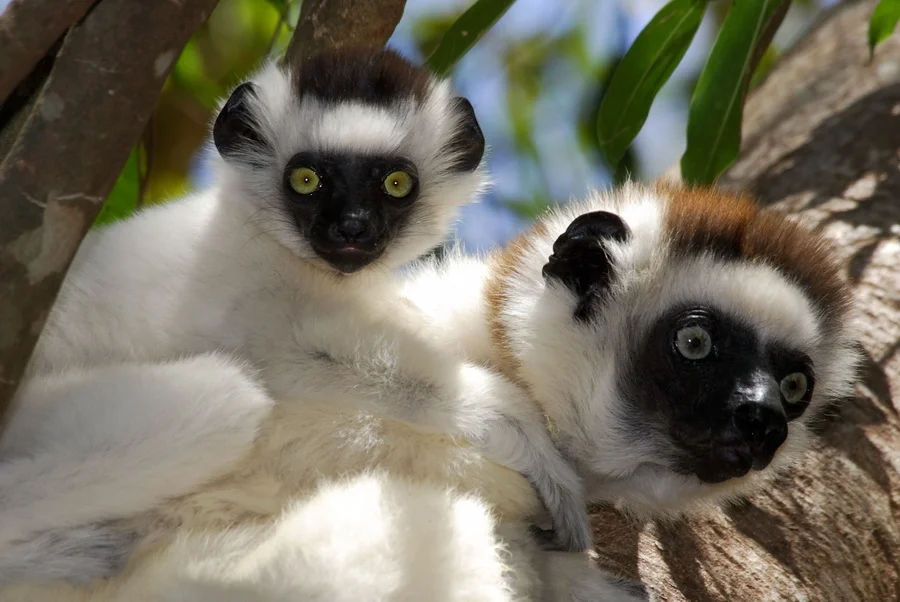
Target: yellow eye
(398,184)
(304,180)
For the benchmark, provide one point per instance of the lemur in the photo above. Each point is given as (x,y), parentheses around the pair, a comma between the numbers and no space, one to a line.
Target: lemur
(679,342)
(191,317)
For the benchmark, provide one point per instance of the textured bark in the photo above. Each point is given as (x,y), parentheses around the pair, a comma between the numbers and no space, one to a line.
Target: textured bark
(27,30)
(343,23)
(821,141)
(70,146)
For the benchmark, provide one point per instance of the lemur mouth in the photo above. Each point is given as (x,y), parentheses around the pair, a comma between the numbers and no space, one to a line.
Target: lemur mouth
(348,258)
(719,463)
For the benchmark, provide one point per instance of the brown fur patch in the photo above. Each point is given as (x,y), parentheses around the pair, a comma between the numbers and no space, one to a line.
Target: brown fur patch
(504,263)
(734,226)
(378,77)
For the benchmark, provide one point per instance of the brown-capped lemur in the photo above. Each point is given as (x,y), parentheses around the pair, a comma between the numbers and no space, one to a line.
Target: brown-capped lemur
(681,342)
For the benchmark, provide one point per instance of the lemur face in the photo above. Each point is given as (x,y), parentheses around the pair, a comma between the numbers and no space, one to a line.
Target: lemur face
(723,396)
(681,341)
(357,159)
(349,207)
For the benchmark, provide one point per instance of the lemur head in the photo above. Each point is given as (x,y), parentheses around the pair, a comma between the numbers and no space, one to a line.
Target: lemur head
(355,158)
(680,341)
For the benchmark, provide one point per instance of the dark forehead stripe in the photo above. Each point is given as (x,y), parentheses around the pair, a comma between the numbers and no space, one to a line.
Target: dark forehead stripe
(374,77)
(734,227)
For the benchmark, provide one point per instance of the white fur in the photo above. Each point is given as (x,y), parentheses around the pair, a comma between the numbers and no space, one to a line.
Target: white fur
(224,272)
(175,424)
(369,537)
(335,503)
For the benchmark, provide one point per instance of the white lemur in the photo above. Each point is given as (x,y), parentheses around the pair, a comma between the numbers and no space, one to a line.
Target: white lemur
(329,179)
(680,343)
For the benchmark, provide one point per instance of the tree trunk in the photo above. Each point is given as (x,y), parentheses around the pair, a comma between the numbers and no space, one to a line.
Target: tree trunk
(821,140)
(65,140)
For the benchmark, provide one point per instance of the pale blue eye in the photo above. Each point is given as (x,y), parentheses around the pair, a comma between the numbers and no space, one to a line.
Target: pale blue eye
(794,386)
(693,342)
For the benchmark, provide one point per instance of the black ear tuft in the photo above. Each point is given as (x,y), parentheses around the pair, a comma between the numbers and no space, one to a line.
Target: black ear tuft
(597,225)
(468,143)
(235,130)
(580,260)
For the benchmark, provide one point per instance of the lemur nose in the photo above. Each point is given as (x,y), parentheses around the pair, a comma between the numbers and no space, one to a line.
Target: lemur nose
(352,230)
(763,428)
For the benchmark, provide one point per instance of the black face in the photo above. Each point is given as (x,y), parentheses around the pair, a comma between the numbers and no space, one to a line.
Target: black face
(724,400)
(349,207)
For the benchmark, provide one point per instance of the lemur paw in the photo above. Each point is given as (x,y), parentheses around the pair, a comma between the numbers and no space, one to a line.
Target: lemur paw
(580,260)
(74,554)
(571,528)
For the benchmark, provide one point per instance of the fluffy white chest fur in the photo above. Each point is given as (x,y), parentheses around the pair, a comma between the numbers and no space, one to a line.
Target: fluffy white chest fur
(337,504)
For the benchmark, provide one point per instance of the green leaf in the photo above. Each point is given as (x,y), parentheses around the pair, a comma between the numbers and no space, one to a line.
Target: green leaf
(883,22)
(641,73)
(714,120)
(122,200)
(463,34)
(529,209)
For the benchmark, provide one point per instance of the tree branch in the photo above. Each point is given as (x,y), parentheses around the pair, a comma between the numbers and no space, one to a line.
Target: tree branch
(343,23)
(75,138)
(27,29)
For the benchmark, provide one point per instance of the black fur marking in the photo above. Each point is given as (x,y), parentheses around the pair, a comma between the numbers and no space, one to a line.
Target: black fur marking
(468,144)
(379,78)
(580,259)
(351,188)
(235,131)
(722,415)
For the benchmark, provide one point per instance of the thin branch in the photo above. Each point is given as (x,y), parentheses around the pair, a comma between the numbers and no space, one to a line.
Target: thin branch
(343,23)
(282,20)
(66,156)
(28,28)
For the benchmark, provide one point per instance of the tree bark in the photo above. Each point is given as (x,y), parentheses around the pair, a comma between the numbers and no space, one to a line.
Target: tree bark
(27,30)
(343,23)
(821,141)
(70,146)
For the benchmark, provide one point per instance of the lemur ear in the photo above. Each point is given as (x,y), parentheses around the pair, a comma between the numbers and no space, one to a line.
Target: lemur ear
(581,261)
(468,143)
(235,131)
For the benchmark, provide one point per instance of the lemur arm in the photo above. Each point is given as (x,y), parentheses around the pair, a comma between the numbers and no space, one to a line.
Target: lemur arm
(400,373)
(89,446)
(451,296)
